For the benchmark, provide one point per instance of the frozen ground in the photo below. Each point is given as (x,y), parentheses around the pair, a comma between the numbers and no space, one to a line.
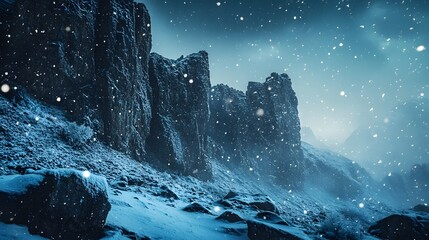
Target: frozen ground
(38,136)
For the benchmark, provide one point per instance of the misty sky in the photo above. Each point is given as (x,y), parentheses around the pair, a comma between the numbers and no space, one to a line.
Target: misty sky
(349,61)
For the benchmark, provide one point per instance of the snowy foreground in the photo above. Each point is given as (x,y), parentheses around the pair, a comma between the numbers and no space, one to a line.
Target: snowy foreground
(338,199)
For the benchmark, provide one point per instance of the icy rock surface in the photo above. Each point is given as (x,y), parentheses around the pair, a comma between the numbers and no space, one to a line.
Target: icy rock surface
(402,226)
(262,124)
(58,204)
(178,136)
(259,231)
(90,58)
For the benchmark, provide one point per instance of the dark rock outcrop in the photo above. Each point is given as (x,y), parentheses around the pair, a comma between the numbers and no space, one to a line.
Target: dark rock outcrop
(228,121)
(271,218)
(60,204)
(261,231)
(421,208)
(121,58)
(165,192)
(266,205)
(178,135)
(229,216)
(196,207)
(401,227)
(92,58)
(89,57)
(261,127)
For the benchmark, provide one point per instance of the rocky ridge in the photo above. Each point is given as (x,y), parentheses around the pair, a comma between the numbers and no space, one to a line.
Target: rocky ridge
(91,58)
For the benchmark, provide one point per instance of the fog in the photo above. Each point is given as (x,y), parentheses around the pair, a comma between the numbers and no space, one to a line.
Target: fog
(351,63)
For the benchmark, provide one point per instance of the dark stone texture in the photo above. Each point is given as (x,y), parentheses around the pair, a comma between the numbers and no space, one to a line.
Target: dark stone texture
(262,231)
(266,205)
(178,136)
(401,227)
(228,121)
(93,55)
(40,53)
(122,55)
(229,216)
(230,194)
(421,208)
(272,218)
(261,128)
(196,207)
(60,204)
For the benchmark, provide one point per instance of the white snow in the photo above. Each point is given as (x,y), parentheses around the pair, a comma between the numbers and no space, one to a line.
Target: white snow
(150,217)
(18,184)
(16,232)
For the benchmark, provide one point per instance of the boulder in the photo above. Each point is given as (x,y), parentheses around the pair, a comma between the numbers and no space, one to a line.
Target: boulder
(271,218)
(421,208)
(229,216)
(196,207)
(58,204)
(401,226)
(266,205)
(261,231)
(166,192)
(178,135)
(230,194)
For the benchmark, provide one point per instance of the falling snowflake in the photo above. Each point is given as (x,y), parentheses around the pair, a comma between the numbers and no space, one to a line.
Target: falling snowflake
(260,112)
(5,88)
(86,174)
(420,48)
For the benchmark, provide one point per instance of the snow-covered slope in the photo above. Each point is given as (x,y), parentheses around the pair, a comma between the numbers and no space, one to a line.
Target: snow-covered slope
(146,202)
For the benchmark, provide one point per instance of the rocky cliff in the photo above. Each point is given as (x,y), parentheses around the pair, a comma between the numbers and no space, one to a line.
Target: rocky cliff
(92,59)
(88,57)
(178,136)
(260,128)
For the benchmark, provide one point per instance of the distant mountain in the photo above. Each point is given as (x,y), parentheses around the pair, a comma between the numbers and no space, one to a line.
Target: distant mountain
(394,143)
(308,136)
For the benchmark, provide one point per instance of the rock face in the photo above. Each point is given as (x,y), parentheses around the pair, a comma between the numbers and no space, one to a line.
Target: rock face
(196,207)
(92,58)
(260,231)
(230,216)
(229,118)
(262,124)
(57,204)
(122,56)
(89,57)
(178,136)
(401,227)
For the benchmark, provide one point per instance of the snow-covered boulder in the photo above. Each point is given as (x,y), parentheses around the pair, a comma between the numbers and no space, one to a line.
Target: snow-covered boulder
(230,216)
(196,207)
(260,231)
(402,226)
(55,203)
